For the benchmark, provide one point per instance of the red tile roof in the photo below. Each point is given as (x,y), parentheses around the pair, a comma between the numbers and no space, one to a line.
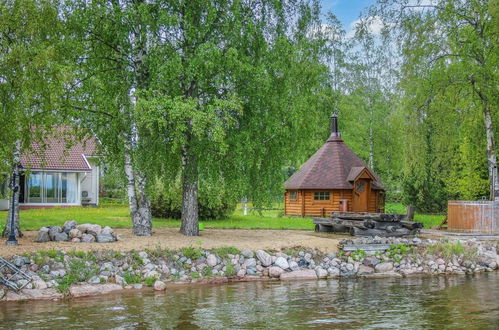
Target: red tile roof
(60,151)
(331,167)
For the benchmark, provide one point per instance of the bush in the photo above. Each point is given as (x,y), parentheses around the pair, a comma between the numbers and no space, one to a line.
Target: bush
(214,202)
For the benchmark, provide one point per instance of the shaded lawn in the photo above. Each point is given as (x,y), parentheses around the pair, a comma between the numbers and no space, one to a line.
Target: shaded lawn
(429,221)
(117,216)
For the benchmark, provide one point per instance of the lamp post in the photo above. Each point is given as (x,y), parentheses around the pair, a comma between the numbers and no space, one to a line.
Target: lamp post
(12,235)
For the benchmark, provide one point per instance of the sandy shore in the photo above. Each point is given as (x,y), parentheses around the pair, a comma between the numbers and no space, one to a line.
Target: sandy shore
(171,238)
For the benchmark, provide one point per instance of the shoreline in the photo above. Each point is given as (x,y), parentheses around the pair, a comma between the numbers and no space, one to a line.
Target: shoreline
(66,275)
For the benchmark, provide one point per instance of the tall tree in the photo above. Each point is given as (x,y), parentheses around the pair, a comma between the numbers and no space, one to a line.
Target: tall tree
(450,45)
(34,75)
(112,58)
(234,95)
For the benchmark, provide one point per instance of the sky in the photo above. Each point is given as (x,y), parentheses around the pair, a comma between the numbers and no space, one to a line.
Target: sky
(347,11)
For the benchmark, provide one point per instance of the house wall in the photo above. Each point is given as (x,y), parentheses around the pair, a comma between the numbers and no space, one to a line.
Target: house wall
(307,206)
(90,182)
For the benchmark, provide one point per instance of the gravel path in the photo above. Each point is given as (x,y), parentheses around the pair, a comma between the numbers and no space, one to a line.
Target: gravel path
(171,238)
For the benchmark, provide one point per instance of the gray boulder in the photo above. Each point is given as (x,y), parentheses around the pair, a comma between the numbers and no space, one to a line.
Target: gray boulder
(83,227)
(20,261)
(293,265)
(68,225)
(94,230)
(333,272)
(61,237)
(75,233)
(365,270)
(211,260)
(104,238)
(264,258)
(320,272)
(87,238)
(43,235)
(251,262)
(107,230)
(247,253)
(281,262)
(384,267)
(94,280)
(371,261)
(275,271)
(53,231)
(159,286)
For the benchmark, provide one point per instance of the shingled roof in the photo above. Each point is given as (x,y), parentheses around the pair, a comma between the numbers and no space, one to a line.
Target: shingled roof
(60,151)
(333,166)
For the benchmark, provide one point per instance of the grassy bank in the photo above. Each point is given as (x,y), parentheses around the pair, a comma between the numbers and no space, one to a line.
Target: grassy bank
(117,216)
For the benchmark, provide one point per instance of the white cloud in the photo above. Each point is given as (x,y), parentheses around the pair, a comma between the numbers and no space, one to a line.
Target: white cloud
(374,25)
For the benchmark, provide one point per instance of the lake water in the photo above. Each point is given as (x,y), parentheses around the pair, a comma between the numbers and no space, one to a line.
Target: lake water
(410,303)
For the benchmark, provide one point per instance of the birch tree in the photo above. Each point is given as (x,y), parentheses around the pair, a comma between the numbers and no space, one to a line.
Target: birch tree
(34,73)
(113,64)
(235,92)
(450,45)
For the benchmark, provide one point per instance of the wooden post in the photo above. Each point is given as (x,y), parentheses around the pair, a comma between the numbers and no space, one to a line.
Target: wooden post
(410,212)
(245,205)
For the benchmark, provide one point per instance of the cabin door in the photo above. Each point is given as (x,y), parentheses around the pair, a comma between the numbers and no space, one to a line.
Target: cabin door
(361,190)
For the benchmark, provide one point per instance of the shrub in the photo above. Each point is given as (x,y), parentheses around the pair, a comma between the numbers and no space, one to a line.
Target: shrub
(192,253)
(229,270)
(358,255)
(398,251)
(77,272)
(131,278)
(214,201)
(149,281)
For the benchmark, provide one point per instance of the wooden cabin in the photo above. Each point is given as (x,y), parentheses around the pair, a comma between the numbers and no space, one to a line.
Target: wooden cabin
(333,179)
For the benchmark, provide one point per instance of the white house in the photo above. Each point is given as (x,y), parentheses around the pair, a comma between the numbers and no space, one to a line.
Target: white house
(64,173)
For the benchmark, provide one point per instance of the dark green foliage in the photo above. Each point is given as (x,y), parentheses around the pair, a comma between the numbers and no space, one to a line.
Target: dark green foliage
(214,202)
(131,278)
(192,253)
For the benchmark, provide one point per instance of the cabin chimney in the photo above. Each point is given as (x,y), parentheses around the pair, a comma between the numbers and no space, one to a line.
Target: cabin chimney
(334,125)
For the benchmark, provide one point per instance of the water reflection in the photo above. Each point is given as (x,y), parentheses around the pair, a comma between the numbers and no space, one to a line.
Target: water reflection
(438,302)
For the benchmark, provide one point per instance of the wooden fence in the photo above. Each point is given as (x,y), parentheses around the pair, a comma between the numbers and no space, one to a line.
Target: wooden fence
(473,216)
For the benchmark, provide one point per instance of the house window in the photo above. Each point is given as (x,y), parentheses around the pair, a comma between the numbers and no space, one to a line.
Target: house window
(293,195)
(321,195)
(52,188)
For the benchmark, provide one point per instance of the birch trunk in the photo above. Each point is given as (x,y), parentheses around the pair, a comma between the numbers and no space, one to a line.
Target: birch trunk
(371,135)
(130,176)
(491,151)
(14,207)
(371,148)
(190,215)
(143,224)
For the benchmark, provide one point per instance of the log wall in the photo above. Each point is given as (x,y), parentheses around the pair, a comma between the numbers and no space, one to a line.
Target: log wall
(305,205)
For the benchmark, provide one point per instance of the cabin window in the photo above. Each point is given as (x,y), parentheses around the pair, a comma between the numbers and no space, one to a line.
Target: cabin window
(321,195)
(360,186)
(293,195)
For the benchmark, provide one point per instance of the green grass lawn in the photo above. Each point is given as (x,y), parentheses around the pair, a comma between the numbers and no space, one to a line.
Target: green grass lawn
(117,216)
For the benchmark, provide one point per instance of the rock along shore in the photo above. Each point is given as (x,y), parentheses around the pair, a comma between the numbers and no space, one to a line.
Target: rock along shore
(59,274)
